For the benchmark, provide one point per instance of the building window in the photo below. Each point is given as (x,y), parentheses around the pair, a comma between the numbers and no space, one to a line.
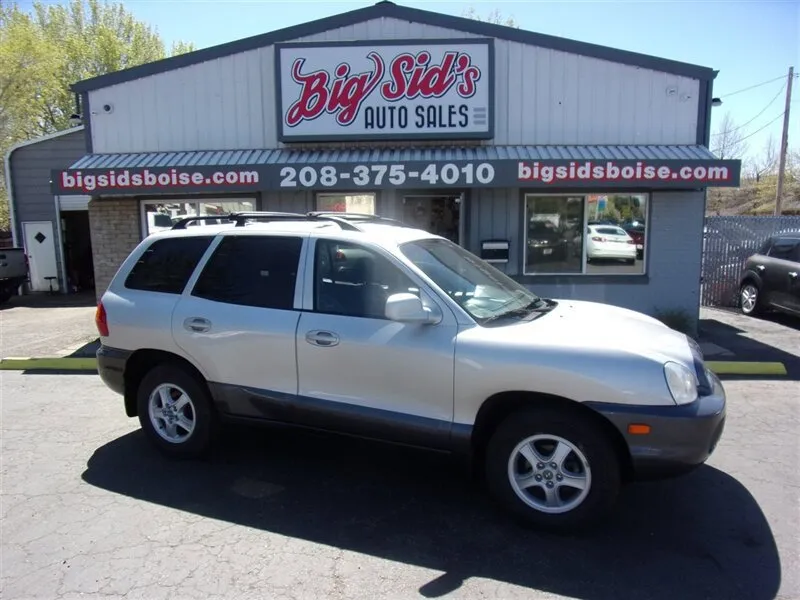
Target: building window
(594,234)
(352,203)
(160,215)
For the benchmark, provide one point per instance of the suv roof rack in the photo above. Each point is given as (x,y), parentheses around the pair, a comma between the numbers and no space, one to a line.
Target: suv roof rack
(340,218)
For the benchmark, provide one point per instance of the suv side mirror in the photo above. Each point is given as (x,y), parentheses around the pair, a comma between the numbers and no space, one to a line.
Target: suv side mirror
(408,308)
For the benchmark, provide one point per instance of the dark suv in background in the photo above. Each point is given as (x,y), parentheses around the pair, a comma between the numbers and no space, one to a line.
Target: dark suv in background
(771,277)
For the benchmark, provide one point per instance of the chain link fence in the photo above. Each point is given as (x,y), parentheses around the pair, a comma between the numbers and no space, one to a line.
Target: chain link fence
(727,244)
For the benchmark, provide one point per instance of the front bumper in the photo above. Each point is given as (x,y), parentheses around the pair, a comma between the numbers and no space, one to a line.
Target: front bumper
(111,367)
(681,437)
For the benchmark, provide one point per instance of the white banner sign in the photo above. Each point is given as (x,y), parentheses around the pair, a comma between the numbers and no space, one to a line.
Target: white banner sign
(436,89)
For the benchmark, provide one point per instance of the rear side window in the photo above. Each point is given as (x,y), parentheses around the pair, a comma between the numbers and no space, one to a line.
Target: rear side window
(256,271)
(783,249)
(167,264)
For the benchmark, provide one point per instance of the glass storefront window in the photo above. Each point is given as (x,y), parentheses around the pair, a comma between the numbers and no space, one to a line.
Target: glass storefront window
(595,234)
(160,215)
(353,203)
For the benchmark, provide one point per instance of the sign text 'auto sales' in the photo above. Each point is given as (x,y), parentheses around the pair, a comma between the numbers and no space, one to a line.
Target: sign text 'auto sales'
(381,90)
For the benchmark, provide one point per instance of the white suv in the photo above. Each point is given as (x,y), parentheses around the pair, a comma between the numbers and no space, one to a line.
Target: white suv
(358,325)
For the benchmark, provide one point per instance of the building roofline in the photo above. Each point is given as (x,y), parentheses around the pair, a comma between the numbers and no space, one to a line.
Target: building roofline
(386,9)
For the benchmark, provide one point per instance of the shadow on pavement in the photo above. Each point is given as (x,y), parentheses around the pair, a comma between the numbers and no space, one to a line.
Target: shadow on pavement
(88,350)
(700,536)
(46,300)
(747,348)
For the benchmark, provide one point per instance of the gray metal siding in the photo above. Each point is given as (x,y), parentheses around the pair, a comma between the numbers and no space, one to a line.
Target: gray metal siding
(30,178)
(543,96)
(674,249)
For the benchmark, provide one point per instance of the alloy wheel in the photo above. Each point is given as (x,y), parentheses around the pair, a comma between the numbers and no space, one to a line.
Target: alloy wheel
(172,413)
(549,473)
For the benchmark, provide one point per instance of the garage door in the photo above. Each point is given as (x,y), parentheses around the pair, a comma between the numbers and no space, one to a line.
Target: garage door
(73,202)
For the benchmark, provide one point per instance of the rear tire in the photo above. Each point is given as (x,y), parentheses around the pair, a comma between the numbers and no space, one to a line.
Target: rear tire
(750,299)
(176,411)
(552,469)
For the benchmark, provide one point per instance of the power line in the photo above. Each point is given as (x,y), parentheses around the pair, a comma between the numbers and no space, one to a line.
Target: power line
(753,86)
(763,128)
(763,110)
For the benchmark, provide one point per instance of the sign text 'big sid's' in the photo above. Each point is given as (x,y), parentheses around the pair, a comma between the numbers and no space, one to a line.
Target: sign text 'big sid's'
(436,89)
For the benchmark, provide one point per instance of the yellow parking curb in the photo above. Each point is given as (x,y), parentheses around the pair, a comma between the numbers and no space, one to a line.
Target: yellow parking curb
(48,363)
(734,367)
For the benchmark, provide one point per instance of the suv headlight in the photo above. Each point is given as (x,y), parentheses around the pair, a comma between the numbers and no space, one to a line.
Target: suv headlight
(682,383)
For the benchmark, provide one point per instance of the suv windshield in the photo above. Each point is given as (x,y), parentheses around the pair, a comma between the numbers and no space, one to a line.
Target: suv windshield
(480,289)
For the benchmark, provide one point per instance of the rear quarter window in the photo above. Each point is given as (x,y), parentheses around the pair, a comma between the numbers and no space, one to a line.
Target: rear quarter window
(167,264)
(784,249)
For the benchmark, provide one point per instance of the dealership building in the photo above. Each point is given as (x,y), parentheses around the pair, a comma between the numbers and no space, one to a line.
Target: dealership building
(577,169)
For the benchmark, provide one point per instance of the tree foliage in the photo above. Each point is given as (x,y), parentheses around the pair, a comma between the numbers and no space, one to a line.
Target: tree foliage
(51,46)
(494,16)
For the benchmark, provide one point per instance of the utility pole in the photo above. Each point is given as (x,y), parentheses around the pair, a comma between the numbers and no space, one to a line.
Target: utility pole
(784,143)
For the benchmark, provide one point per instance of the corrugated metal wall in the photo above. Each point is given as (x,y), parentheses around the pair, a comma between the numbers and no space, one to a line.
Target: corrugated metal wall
(30,178)
(542,97)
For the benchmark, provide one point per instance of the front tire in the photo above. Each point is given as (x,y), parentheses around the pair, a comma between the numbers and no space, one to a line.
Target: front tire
(552,469)
(176,412)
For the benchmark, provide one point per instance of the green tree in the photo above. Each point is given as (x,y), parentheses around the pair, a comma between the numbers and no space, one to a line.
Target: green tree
(46,49)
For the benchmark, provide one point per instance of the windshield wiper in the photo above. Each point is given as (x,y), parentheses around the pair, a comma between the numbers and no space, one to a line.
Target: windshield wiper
(540,305)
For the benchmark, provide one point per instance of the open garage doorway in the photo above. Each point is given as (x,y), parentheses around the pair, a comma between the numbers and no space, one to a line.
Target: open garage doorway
(77,241)
(436,214)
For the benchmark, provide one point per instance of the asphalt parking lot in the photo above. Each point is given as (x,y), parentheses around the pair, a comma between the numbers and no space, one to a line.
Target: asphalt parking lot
(46,325)
(90,511)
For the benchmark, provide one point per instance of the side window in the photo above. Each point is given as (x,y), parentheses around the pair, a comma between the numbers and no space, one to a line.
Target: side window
(783,249)
(256,271)
(167,264)
(764,250)
(355,281)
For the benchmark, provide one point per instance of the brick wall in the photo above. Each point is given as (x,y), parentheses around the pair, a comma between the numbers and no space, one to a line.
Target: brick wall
(115,232)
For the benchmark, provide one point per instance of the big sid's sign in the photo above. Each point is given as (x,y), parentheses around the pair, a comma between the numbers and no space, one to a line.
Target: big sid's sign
(436,89)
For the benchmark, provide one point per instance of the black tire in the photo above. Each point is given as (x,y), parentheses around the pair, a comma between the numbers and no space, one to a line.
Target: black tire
(583,433)
(747,308)
(199,442)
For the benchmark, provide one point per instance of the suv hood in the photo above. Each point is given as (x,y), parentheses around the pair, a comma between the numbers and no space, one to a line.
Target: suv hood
(581,325)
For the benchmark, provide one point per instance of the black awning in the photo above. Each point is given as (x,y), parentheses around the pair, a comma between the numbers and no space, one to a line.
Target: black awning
(528,167)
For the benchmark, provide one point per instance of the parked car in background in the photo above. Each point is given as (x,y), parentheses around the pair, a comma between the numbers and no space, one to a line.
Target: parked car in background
(357,325)
(771,277)
(636,231)
(545,243)
(13,271)
(609,242)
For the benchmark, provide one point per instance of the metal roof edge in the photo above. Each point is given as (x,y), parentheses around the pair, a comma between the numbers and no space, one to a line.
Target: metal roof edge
(391,10)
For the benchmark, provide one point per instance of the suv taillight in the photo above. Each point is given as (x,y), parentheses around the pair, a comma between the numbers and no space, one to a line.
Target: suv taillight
(100,320)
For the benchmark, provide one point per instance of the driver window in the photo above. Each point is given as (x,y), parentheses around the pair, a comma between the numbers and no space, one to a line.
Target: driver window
(355,281)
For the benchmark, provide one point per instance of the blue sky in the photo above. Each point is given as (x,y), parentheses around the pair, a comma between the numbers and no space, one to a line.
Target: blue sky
(748,42)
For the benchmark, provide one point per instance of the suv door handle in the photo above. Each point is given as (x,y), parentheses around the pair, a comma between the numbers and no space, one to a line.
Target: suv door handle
(197,324)
(322,338)
(793,274)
